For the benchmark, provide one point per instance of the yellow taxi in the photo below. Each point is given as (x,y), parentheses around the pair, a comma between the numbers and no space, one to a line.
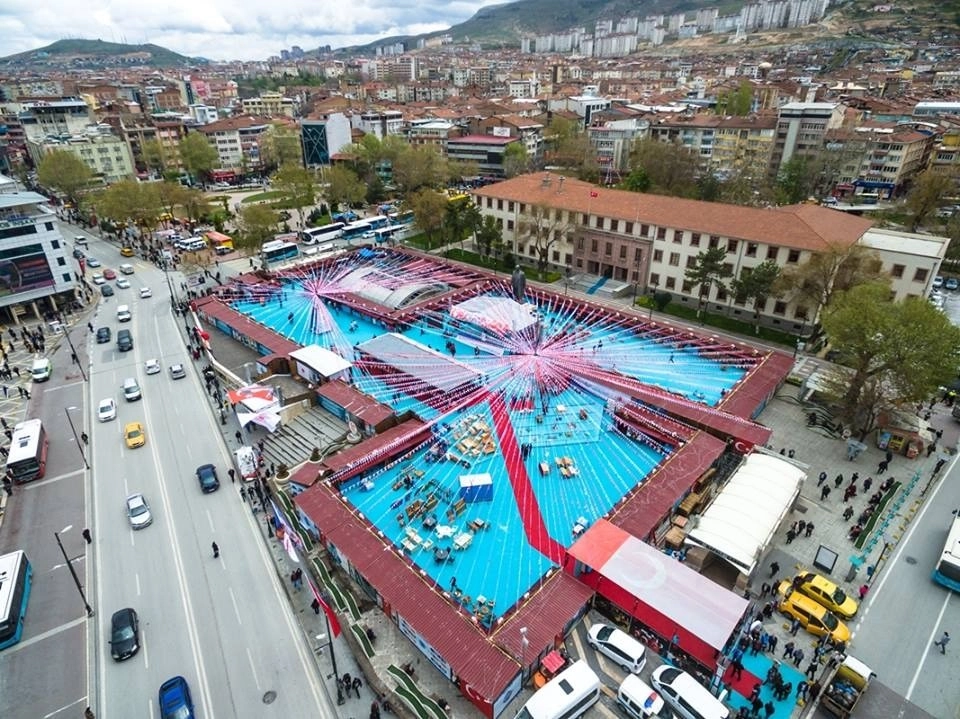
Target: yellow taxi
(823,591)
(134,435)
(815,618)
(126,251)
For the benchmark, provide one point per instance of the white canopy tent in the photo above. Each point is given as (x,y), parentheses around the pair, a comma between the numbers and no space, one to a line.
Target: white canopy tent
(743,518)
(314,362)
(497,314)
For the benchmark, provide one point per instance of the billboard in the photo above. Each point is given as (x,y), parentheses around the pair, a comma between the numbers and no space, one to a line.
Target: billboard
(24,268)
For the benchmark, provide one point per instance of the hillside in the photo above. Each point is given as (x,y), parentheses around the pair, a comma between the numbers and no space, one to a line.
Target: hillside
(98,53)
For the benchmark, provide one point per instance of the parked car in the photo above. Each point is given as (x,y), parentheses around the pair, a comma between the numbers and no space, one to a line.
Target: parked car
(627,652)
(103,335)
(938,282)
(951,284)
(124,634)
(814,617)
(823,591)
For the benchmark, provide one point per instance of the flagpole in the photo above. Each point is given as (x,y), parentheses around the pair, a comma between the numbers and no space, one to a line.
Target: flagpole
(333,660)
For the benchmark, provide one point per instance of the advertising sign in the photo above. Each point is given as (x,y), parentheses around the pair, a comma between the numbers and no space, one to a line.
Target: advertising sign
(24,268)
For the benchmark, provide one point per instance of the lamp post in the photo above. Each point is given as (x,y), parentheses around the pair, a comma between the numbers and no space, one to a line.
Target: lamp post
(83,455)
(73,353)
(636,274)
(333,659)
(652,298)
(73,572)
(566,282)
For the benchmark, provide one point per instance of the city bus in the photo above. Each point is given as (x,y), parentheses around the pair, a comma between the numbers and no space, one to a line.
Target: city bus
(401,218)
(387,234)
(278,251)
(355,230)
(320,235)
(16,577)
(27,459)
(379,221)
(947,571)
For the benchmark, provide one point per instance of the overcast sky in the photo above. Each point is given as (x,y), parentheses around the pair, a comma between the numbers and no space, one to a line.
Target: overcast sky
(225,29)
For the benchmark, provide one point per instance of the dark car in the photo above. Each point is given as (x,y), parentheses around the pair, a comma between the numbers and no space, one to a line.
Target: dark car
(103,335)
(175,700)
(124,634)
(78,253)
(124,340)
(207,476)
(106,291)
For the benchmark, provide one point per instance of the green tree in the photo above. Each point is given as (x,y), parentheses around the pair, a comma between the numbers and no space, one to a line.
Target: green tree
(298,188)
(63,171)
(490,237)
(152,154)
(198,155)
(429,210)
(472,219)
(258,224)
(343,187)
(928,191)
(171,194)
(131,202)
(897,353)
(738,102)
(376,191)
(567,146)
(515,160)
(636,181)
(417,167)
(709,270)
(280,147)
(195,204)
(671,168)
(544,227)
(795,180)
(755,284)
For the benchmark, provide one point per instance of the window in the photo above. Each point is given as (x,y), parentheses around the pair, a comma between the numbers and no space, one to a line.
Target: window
(510,225)
(623,252)
(629,228)
(772,253)
(793,257)
(510,206)
(584,219)
(61,261)
(897,272)
(674,259)
(920,275)
(607,249)
(731,246)
(721,295)
(637,255)
(499,204)
(598,223)
(645,230)
(687,287)
(594,245)
(615,225)
(779,307)
(658,255)
(728,268)
(695,239)
(655,278)
(713,242)
(671,283)
(751,249)
(568,259)
(580,244)
(555,256)
(523,207)
(661,233)
(677,237)
(691,262)
(55,244)
(66,277)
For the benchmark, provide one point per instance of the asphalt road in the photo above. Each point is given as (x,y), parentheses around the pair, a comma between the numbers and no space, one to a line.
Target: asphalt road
(908,611)
(224,624)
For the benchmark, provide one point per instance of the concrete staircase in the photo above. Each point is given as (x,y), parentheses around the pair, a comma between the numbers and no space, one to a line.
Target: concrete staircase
(293,443)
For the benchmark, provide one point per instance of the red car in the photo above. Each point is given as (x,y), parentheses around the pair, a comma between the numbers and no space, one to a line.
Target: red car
(110,274)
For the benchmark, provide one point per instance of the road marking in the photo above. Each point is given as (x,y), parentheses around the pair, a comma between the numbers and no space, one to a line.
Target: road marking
(143,649)
(253,669)
(933,633)
(81,700)
(236,608)
(136,579)
(46,635)
(47,390)
(213,529)
(49,480)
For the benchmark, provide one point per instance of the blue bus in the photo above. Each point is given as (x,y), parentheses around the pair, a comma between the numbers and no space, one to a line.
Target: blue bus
(16,578)
(947,571)
(378,221)
(278,251)
(401,218)
(357,229)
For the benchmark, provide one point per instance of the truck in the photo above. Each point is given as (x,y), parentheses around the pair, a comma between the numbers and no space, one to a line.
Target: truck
(847,686)
(245,459)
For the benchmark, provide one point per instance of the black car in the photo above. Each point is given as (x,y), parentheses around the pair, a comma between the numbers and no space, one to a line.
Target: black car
(103,335)
(78,253)
(124,341)
(207,476)
(124,634)
(106,291)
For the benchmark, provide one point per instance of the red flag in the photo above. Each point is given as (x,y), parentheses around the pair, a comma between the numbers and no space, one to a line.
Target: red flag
(594,193)
(328,610)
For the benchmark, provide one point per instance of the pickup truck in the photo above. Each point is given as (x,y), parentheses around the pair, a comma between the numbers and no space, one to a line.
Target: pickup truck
(848,684)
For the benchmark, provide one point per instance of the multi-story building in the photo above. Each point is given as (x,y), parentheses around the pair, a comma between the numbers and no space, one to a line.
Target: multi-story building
(54,118)
(269,104)
(527,130)
(485,151)
(743,145)
(613,141)
(432,133)
(107,155)
(37,275)
(237,141)
(650,240)
(801,130)
(379,124)
(945,158)
(323,137)
(894,155)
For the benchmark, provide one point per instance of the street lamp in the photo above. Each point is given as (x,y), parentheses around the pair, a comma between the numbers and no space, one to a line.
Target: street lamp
(73,353)
(333,658)
(653,296)
(73,572)
(83,455)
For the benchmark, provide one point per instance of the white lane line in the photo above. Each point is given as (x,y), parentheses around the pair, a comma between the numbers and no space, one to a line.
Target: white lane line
(210,522)
(236,607)
(253,669)
(47,390)
(49,480)
(136,578)
(143,649)
(930,647)
(46,635)
(82,701)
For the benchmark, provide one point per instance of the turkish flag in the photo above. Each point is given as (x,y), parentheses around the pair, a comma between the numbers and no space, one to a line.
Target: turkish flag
(328,610)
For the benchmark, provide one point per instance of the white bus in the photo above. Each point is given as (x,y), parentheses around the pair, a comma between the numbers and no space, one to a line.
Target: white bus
(27,458)
(356,230)
(947,571)
(320,235)
(278,251)
(387,234)
(16,576)
(567,695)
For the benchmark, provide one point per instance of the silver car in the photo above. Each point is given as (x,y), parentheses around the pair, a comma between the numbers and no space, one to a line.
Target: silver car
(138,511)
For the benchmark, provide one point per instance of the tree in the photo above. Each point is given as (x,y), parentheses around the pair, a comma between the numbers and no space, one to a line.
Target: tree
(738,102)
(171,194)
(490,237)
(343,186)
(198,155)
(63,171)
(280,147)
(927,193)
(376,192)
(195,204)
(297,185)
(897,352)
(671,168)
(429,210)
(131,202)
(709,270)
(545,227)
(795,180)
(756,284)
(636,181)
(417,167)
(152,154)
(515,160)
(258,224)
(472,219)
(813,284)
(568,146)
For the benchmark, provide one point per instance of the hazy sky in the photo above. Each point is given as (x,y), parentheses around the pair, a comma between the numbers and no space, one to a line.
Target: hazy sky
(225,29)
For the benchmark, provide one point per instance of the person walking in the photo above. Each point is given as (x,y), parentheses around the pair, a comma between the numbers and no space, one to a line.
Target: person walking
(216,550)
(87,536)
(238,436)
(233,475)
(84,438)
(812,669)
(88,714)
(882,467)
(824,493)
(774,569)
(942,642)
(356,684)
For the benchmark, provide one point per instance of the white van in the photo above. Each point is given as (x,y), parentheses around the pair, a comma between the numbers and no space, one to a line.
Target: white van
(567,695)
(41,369)
(123,313)
(80,241)
(126,268)
(638,699)
(628,653)
(686,696)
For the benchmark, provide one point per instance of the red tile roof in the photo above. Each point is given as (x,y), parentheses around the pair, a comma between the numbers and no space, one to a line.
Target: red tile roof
(804,227)
(355,402)
(212,308)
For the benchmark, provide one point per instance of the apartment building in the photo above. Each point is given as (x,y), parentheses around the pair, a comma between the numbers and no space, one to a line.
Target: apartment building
(237,141)
(269,104)
(527,130)
(801,130)
(485,151)
(54,118)
(379,124)
(38,274)
(651,240)
(432,133)
(743,145)
(107,155)
(894,155)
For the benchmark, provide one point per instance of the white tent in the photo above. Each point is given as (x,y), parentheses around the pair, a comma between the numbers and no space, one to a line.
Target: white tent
(314,361)
(498,314)
(743,518)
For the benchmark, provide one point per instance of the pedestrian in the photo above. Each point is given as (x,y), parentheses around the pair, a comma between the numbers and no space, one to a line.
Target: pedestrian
(847,514)
(797,657)
(243,494)
(791,535)
(88,714)
(867,483)
(737,667)
(943,642)
(812,669)
(774,569)
(90,327)
(233,475)
(864,588)
(931,448)
(824,493)
(882,467)
(837,481)
(315,605)
(764,590)
(87,536)
(802,689)
(794,627)
(238,436)
(216,550)
(374,711)
(822,478)
(346,681)
(939,465)
(74,358)
(788,650)
(809,530)
(769,709)
(772,643)
(357,683)
(84,438)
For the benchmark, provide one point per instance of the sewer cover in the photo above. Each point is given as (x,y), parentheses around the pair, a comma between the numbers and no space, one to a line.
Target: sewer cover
(269,697)
(910,560)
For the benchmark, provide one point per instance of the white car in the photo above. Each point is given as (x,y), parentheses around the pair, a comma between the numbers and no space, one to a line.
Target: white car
(123,283)
(152,366)
(138,511)
(627,652)
(98,279)
(107,410)
(145,292)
